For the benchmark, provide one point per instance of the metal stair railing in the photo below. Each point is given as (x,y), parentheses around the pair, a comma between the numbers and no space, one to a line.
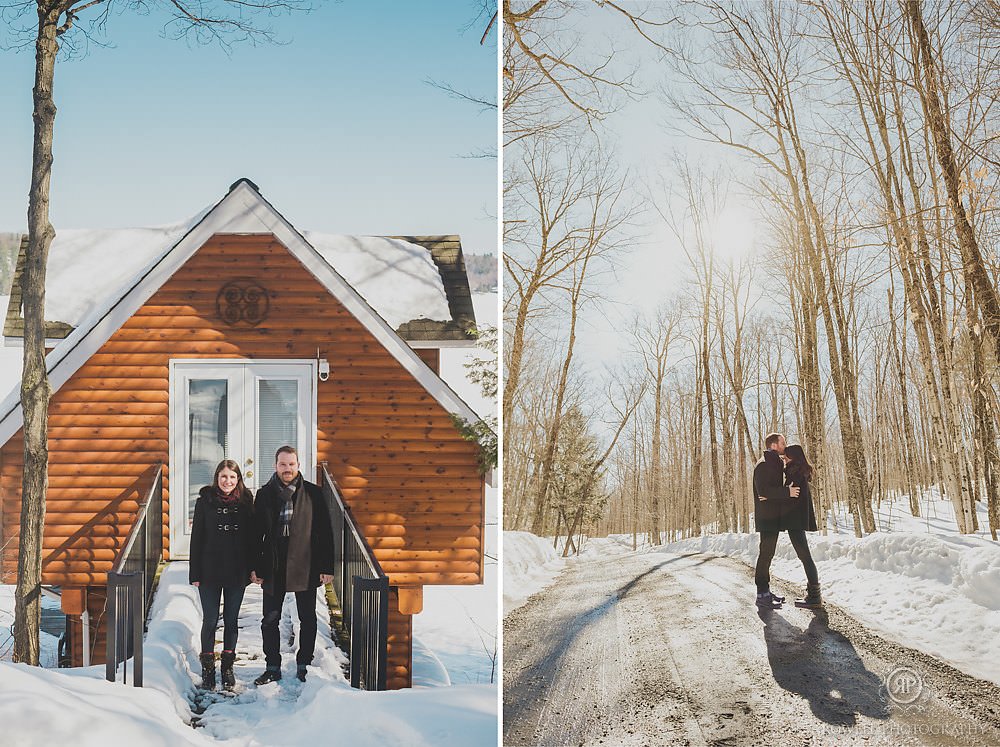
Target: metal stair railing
(130,584)
(362,590)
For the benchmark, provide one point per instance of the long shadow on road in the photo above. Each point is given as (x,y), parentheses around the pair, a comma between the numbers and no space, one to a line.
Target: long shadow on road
(528,686)
(822,666)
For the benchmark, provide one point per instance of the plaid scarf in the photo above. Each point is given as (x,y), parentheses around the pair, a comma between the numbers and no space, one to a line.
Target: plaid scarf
(288,506)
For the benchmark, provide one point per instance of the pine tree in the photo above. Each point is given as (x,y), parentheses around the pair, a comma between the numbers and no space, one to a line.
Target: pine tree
(482,370)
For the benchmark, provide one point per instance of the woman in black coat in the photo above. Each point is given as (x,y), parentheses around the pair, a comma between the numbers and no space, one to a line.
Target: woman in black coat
(783,503)
(223,546)
(799,517)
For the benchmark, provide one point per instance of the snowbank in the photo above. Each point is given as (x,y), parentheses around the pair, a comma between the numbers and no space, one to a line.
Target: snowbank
(51,707)
(920,584)
(442,717)
(42,707)
(530,563)
(459,624)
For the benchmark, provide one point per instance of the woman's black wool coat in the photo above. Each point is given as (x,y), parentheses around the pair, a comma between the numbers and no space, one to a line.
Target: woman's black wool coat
(223,539)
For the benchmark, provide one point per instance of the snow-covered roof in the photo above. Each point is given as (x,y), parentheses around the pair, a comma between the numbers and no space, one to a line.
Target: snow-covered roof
(242,211)
(397,278)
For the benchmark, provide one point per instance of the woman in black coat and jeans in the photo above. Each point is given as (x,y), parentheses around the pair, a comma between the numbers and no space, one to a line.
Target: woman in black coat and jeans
(780,510)
(223,545)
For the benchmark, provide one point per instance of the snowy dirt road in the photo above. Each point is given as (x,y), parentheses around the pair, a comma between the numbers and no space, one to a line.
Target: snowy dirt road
(660,649)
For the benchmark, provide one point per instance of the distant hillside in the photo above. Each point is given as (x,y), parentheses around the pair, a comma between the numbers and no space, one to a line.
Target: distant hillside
(482,269)
(9,244)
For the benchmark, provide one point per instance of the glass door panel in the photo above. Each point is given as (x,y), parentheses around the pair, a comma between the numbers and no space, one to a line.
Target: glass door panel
(277,416)
(282,414)
(208,434)
(242,411)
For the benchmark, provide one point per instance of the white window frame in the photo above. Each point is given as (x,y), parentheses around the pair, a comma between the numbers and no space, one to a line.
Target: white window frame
(251,369)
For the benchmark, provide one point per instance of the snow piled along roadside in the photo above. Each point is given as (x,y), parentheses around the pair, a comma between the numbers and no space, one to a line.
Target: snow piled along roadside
(530,563)
(917,582)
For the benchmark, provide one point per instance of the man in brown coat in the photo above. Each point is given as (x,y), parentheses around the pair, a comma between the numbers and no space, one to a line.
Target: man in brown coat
(296,555)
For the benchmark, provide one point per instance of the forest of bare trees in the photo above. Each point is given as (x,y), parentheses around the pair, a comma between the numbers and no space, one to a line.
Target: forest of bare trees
(866,323)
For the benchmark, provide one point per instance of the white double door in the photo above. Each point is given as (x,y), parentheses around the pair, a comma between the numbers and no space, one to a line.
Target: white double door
(242,411)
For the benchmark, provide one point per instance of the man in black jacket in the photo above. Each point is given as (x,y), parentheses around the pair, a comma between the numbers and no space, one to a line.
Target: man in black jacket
(770,500)
(296,555)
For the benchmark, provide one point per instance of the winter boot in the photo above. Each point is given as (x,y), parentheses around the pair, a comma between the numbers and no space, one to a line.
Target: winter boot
(228,678)
(270,675)
(300,672)
(767,601)
(207,671)
(813,600)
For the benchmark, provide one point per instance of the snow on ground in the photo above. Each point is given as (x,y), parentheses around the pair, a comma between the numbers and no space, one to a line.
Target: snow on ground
(44,707)
(459,624)
(52,707)
(917,581)
(49,654)
(530,564)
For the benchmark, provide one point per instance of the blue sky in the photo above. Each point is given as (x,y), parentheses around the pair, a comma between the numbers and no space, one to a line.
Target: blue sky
(337,126)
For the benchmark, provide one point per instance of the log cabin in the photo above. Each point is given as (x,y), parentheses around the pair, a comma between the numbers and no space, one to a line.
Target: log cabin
(187,344)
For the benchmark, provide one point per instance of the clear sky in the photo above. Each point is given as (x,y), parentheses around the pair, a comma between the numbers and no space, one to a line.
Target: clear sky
(642,135)
(338,126)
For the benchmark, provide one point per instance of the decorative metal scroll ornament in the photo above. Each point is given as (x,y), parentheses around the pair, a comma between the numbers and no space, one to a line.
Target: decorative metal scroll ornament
(242,301)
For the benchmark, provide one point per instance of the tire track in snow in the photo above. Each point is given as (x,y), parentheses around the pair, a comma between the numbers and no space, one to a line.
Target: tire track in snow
(657,649)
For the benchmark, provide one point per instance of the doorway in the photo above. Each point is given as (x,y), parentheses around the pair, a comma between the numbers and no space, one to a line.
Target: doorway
(239,410)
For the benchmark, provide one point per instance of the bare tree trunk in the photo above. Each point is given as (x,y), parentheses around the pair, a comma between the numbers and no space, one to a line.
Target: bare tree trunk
(972,259)
(552,438)
(909,456)
(35,389)
(654,337)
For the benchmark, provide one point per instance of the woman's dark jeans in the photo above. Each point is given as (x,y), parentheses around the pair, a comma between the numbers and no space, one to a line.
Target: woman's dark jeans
(768,543)
(210,597)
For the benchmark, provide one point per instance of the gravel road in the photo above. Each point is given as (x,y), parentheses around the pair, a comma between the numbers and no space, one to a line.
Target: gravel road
(661,649)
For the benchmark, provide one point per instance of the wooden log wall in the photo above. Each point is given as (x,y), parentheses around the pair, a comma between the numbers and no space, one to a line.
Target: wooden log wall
(96,601)
(410,478)
(399,673)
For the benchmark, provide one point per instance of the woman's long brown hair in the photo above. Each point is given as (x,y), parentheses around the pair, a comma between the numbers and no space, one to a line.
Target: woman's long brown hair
(798,457)
(230,464)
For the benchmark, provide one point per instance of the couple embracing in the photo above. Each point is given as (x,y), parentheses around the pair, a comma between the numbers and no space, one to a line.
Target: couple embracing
(281,539)
(783,502)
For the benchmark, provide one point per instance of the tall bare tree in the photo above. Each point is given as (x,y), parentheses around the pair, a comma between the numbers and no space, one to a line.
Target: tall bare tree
(654,335)
(224,21)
